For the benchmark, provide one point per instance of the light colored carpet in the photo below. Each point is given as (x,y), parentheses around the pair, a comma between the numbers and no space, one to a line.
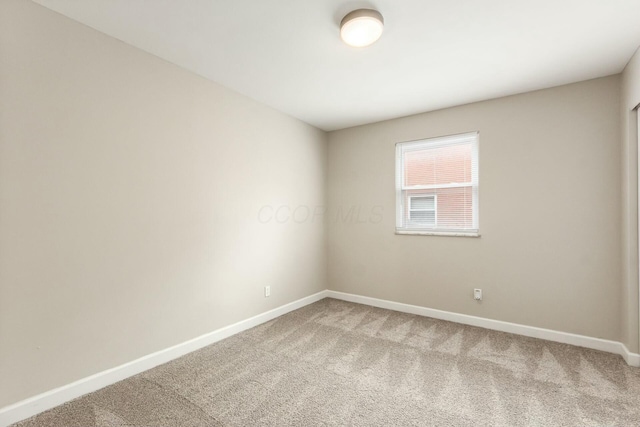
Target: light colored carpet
(338,363)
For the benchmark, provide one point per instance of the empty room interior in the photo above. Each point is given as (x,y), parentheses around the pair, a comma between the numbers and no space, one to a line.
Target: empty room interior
(322,212)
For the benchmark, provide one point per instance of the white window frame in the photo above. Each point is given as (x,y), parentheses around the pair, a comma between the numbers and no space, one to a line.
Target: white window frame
(403,226)
(433,196)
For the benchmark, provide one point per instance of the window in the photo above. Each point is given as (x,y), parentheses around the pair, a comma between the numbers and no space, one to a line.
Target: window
(437,186)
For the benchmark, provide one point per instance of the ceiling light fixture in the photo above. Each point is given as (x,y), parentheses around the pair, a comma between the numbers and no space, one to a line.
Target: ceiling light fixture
(361,27)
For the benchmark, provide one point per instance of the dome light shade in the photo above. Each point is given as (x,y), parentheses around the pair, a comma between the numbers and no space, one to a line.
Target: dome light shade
(361,27)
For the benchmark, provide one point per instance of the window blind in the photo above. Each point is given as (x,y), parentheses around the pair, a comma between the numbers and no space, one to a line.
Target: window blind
(437,184)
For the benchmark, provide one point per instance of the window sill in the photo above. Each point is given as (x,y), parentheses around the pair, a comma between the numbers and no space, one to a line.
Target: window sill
(436,233)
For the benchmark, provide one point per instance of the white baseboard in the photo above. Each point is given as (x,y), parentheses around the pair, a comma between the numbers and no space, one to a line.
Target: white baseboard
(632,359)
(52,398)
(615,347)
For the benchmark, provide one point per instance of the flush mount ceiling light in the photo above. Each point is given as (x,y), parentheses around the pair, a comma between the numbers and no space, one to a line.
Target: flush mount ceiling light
(361,27)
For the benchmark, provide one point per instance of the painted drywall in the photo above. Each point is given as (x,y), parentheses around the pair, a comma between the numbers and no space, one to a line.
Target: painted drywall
(550,245)
(130,199)
(630,98)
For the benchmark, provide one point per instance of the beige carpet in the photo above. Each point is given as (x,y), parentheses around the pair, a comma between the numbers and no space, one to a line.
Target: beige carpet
(338,363)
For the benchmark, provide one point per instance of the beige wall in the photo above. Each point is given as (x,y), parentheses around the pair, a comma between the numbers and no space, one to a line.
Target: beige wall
(550,209)
(129,200)
(630,97)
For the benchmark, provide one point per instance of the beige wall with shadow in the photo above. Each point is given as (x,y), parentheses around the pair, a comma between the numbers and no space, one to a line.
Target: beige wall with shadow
(549,254)
(130,192)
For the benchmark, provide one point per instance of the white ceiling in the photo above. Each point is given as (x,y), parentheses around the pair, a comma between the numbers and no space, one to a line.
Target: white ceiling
(432,54)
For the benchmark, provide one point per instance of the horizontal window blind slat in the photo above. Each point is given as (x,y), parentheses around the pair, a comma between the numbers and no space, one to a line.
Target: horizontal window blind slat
(430,187)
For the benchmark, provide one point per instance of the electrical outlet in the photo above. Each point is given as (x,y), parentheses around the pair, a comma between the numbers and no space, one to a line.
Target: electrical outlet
(477,294)
(267,291)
